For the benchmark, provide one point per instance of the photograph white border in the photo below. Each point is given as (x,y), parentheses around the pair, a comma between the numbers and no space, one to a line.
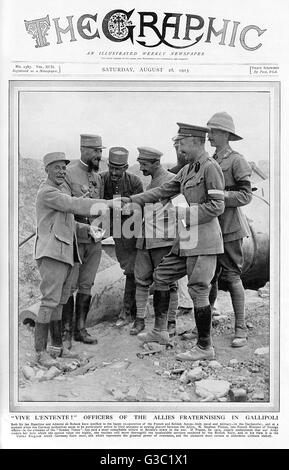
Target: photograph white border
(273,88)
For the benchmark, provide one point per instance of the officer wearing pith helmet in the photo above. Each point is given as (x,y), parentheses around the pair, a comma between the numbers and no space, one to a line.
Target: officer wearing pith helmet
(155,242)
(84,181)
(198,239)
(237,172)
(117,181)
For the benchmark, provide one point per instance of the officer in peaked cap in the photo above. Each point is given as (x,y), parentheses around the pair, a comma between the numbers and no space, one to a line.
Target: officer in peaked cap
(56,253)
(117,181)
(237,172)
(189,130)
(155,242)
(84,180)
(149,160)
(149,154)
(198,239)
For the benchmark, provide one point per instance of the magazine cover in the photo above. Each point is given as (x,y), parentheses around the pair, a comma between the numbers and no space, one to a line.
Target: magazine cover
(143,189)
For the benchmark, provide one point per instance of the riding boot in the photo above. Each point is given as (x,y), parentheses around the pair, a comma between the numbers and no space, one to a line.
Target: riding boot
(237,293)
(128,312)
(138,326)
(67,320)
(203,318)
(81,311)
(159,334)
(213,299)
(172,312)
(41,335)
(57,348)
(141,296)
(203,349)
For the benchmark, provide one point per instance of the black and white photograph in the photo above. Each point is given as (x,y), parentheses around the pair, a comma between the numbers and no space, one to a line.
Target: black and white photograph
(129,327)
(144,225)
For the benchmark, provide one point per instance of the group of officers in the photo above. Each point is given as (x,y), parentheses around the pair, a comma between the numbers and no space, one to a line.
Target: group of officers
(203,241)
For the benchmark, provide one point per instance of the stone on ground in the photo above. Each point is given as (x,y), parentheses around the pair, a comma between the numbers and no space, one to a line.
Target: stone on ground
(210,387)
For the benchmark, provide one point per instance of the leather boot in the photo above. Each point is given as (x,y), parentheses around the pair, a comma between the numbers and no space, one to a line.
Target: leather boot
(57,348)
(237,293)
(81,311)
(203,349)
(172,312)
(131,288)
(159,334)
(203,318)
(172,328)
(67,320)
(191,334)
(41,335)
(138,326)
(197,354)
(128,312)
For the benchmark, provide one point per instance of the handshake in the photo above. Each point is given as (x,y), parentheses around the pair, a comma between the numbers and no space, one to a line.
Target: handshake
(96,233)
(122,204)
(101,206)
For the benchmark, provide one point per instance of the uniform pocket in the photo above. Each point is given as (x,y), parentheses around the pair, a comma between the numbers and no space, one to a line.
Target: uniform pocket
(194,191)
(63,239)
(193,183)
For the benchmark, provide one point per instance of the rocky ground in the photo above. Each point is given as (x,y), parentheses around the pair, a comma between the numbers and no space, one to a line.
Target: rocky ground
(120,369)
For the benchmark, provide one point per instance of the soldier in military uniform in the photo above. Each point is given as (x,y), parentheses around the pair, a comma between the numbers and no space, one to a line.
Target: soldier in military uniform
(83,181)
(117,181)
(237,172)
(56,251)
(156,241)
(198,240)
(185,303)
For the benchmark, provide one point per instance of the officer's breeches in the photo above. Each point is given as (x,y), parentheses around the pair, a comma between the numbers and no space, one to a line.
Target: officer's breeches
(145,265)
(125,250)
(54,288)
(199,269)
(83,275)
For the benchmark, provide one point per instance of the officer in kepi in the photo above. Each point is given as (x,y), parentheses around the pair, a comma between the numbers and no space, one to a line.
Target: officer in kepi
(56,251)
(237,172)
(156,240)
(117,181)
(83,180)
(198,239)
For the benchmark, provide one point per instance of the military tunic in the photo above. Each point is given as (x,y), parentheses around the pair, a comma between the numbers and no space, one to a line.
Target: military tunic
(128,185)
(203,190)
(196,246)
(56,243)
(157,221)
(237,172)
(84,183)
(151,250)
(125,248)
